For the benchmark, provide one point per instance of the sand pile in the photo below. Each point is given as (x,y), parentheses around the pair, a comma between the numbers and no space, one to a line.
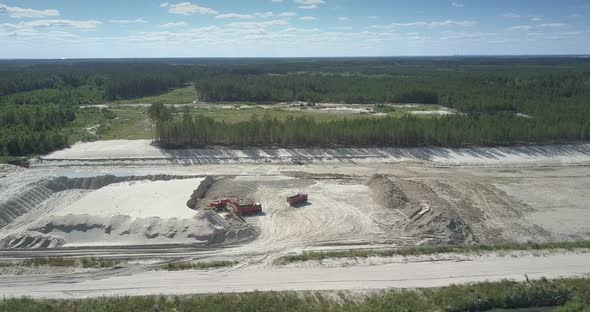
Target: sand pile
(429,217)
(95,183)
(31,240)
(205,228)
(34,196)
(200,192)
(386,193)
(23,203)
(134,212)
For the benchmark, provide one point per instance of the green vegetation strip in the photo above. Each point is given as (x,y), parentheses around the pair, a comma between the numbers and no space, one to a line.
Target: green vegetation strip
(429,250)
(569,294)
(63,262)
(184,95)
(180,266)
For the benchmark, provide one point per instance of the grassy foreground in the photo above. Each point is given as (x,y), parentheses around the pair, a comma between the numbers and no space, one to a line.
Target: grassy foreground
(430,250)
(181,266)
(570,294)
(63,262)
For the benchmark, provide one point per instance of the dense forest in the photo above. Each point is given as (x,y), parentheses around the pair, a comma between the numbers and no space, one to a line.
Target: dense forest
(467,91)
(501,100)
(28,129)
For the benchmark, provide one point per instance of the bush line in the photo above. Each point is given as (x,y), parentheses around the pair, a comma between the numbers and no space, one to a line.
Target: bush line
(181,266)
(570,294)
(429,250)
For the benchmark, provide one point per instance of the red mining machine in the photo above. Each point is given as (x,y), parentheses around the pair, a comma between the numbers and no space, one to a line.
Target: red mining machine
(239,207)
(297,199)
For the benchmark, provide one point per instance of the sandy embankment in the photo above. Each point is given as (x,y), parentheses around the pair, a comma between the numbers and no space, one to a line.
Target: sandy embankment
(142,151)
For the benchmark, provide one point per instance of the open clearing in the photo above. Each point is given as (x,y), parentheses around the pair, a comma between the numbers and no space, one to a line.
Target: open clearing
(128,200)
(132,121)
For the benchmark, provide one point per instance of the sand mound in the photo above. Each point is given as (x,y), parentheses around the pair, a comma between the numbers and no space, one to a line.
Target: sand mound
(34,196)
(430,218)
(23,203)
(206,228)
(200,192)
(26,240)
(98,182)
(386,193)
(117,211)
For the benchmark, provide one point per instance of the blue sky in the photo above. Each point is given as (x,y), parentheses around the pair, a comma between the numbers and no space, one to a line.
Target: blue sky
(275,28)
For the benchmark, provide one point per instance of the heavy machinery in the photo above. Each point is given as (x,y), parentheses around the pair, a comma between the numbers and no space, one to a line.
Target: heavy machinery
(297,199)
(239,207)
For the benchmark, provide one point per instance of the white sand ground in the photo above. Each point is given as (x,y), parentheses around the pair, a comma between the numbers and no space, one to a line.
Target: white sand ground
(561,204)
(138,199)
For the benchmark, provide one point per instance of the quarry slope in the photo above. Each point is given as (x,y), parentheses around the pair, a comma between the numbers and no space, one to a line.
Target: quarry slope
(124,152)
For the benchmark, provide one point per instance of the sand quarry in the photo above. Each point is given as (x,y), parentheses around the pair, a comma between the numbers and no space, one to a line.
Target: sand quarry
(132,193)
(129,199)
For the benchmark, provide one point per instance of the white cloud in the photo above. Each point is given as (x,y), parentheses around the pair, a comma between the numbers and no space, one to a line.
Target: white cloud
(187,8)
(344,19)
(60,24)
(521,27)
(255,15)
(17,12)
(276,1)
(511,15)
(537,27)
(308,18)
(234,15)
(309,4)
(259,24)
(434,24)
(174,25)
(45,30)
(135,21)
(552,25)
(457,4)
(372,17)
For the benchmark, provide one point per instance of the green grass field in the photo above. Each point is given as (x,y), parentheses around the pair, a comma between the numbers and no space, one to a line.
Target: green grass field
(177,96)
(132,123)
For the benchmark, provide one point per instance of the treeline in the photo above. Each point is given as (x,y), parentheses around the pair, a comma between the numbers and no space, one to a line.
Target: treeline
(90,81)
(312,87)
(28,129)
(493,96)
(473,91)
(67,96)
(501,129)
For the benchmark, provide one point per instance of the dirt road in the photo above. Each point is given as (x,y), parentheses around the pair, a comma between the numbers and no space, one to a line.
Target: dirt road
(244,279)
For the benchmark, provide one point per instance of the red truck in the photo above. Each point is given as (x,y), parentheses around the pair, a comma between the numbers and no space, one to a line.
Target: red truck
(238,207)
(297,199)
